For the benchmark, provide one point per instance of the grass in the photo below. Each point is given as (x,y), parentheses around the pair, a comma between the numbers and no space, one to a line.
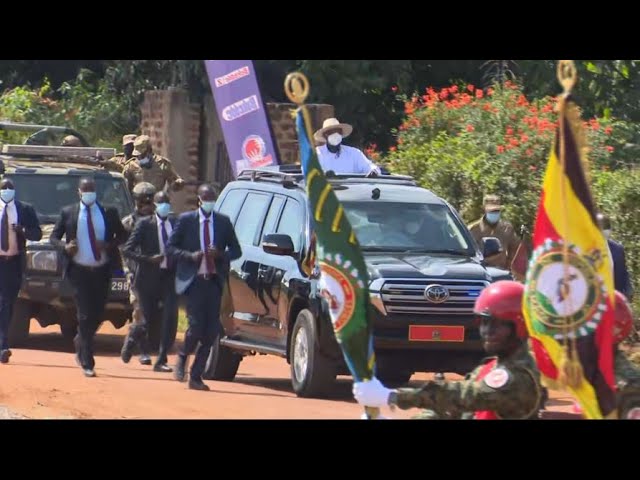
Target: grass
(182,320)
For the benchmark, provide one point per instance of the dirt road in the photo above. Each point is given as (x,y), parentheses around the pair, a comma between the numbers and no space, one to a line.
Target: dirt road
(43,381)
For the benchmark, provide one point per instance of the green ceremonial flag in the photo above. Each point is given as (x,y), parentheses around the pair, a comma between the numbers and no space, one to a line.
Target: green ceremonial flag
(344,280)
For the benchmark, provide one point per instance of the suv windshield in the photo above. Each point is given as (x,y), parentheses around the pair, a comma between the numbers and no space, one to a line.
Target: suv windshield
(50,193)
(413,227)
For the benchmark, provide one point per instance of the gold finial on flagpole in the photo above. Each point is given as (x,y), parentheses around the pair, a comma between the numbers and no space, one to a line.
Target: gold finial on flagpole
(296,86)
(567,75)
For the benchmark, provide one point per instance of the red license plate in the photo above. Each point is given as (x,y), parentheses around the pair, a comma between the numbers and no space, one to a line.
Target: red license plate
(436,333)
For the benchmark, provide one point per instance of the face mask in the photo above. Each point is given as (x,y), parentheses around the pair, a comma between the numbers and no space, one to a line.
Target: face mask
(492,217)
(88,198)
(207,207)
(334,139)
(7,195)
(144,160)
(412,228)
(607,233)
(163,209)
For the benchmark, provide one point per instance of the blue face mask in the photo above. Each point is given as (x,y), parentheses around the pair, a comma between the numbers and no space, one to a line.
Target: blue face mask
(88,198)
(163,209)
(207,207)
(7,195)
(492,217)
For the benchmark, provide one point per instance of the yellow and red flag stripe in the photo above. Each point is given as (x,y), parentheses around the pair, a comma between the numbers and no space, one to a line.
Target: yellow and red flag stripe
(569,295)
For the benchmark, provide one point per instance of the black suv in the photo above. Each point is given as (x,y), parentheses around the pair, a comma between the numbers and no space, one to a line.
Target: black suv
(424,266)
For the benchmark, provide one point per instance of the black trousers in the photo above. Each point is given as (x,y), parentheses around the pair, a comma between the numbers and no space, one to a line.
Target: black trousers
(203,313)
(158,302)
(10,281)
(91,290)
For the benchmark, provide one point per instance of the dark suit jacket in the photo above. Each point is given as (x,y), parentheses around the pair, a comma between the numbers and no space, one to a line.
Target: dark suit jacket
(67,226)
(29,220)
(185,239)
(142,244)
(620,273)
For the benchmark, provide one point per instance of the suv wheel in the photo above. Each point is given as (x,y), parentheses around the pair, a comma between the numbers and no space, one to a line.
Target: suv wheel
(311,373)
(222,364)
(20,322)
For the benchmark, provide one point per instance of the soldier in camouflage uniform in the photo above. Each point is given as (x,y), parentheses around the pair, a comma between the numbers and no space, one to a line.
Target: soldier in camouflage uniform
(506,386)
(146,166)
(117,163)
(491,225)
(143,194)
(627,374)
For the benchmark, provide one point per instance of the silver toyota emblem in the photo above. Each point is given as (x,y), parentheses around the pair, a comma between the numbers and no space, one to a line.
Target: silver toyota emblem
(436,293)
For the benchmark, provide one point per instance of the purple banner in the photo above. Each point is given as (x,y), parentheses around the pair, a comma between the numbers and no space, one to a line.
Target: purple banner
(241,113)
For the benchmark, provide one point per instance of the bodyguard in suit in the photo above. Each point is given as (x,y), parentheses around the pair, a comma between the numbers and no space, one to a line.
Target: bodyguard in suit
(621,278)
(18,223)
(93,234)
(153,281)
(203,243)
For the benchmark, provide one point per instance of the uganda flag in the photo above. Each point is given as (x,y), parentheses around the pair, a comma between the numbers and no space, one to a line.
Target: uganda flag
(569,293)
(344,281)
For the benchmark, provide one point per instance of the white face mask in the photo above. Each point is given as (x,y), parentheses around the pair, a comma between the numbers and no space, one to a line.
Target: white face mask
(334,139)
(607,234)
(144,160)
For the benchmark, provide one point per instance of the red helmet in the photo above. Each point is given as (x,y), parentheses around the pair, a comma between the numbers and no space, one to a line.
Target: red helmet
(503,300)
(623,322)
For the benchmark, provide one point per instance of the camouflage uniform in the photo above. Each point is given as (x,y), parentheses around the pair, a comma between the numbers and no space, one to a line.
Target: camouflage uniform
(128,266)
(503,388)
(159,171)
(117,163)
(502,230)
(628,382)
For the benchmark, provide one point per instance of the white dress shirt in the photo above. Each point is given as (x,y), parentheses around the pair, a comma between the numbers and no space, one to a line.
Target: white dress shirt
(203,247)
(167,226)
(346,160)
(13,219)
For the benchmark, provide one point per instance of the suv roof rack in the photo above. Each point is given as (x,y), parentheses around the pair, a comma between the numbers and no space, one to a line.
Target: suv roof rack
(39,153)
(42,131)
(292,175)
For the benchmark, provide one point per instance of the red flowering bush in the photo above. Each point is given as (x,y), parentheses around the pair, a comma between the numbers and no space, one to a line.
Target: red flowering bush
(465,142)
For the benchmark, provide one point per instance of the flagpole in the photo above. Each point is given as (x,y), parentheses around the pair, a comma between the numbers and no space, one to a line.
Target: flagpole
(296,86)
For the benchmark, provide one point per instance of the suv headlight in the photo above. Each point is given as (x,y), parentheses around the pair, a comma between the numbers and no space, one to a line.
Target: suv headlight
(44,260)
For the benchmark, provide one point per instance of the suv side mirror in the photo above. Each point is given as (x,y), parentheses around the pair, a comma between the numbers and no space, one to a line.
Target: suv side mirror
(278,244)
(492,246)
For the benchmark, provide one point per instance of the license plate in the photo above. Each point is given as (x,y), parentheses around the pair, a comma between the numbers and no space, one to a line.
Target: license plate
(119,286)
(436,333)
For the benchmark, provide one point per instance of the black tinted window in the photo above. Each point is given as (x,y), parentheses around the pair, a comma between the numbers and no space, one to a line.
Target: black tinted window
(291,222)
(231,204)
(272,216)
(48,194)
(250,218)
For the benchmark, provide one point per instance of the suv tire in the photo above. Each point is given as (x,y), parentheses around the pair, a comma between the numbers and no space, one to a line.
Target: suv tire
(311,373)
(222,364)
(20,323)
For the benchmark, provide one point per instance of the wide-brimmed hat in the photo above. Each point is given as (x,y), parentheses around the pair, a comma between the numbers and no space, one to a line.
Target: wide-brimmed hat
(141,144)
(492,203)
(332,124)
(127,139)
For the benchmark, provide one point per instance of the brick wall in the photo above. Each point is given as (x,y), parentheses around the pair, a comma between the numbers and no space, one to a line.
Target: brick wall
(190,136)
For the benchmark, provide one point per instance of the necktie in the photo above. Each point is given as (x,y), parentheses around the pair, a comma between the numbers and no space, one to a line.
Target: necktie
(165,240)
(4,245)
(92,236)
(210,264)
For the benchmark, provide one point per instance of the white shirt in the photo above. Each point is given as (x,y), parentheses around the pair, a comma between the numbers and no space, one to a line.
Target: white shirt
(167,227)
(13,219)
(348,160)
(203,247)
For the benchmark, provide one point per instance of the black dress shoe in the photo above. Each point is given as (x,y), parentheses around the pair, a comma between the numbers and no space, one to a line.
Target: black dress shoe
(163,367)
(4,356)
(89,372)
(179,372)
(198,385)
(125,353)
(145,359)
